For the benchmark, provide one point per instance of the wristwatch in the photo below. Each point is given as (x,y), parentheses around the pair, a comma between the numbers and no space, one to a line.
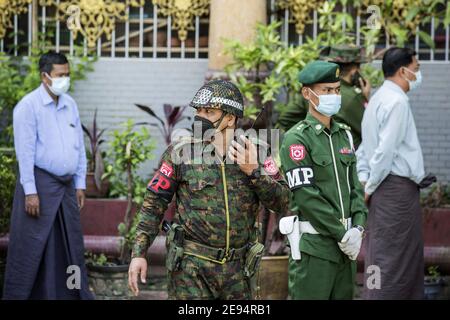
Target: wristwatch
(360,228)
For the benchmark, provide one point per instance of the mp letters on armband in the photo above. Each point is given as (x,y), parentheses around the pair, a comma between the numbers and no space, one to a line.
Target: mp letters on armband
(162,183)
(301,176)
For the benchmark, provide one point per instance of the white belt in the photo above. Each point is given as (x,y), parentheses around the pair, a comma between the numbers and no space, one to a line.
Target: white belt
(294,229)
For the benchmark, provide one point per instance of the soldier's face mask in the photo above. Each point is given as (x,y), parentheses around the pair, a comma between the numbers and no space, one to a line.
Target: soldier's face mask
(207,124)
(329,104)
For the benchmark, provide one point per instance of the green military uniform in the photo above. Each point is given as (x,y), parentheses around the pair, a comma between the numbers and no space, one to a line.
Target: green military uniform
(216,208)
(320,167)
(352,110)
(296,111)
(353,101)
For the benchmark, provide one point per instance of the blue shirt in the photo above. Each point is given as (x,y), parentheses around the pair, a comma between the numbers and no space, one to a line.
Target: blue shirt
(390,144)
(50,137)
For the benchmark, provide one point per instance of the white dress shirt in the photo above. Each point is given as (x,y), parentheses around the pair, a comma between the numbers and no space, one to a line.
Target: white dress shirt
(389,139)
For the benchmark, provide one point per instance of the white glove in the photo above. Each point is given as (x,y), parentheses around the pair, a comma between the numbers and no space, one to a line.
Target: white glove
(351,243)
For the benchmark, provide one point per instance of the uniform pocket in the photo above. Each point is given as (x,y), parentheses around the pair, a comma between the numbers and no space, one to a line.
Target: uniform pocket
(322,160)
(203,190)
(201,183)
(348,160)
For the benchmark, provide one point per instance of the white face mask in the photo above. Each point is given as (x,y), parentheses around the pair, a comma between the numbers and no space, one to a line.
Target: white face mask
(414,84)
(59,85)
(329,104)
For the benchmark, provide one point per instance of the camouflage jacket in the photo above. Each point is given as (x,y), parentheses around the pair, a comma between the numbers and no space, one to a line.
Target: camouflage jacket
(200,202)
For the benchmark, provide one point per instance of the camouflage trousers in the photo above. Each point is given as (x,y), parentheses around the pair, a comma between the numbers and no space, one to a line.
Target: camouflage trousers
(205,280)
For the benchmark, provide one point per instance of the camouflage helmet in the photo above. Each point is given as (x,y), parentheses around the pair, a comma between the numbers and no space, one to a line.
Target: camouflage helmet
(220,94)
(346,53)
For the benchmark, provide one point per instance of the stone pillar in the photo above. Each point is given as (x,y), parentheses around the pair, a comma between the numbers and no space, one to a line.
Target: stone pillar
(232,19)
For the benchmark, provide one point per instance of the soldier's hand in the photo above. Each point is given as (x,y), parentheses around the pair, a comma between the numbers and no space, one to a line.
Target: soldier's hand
(32,205)
(365,87)
(138,267)
(246,158)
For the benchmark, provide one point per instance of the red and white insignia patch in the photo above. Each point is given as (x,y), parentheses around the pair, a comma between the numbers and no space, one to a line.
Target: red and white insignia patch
(297,152)
(270,166)
(166,170)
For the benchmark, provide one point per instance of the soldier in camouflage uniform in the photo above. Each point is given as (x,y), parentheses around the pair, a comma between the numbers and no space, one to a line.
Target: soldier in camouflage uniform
(216,203)
(355,92)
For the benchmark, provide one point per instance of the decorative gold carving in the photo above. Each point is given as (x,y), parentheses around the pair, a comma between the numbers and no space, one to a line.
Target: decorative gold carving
(8,8)
(182,13)
(92,18)
(300,11)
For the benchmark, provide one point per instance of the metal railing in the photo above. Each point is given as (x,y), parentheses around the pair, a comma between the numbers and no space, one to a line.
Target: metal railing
(135,37)
(440,36)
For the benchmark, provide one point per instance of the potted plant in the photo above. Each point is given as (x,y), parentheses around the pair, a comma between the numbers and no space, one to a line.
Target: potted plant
(172,117)
(433,284)
(129,148)
(96,187)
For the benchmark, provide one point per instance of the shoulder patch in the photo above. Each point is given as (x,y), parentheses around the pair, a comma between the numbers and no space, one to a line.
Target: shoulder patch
(270,167)
(297,152)
(166,170)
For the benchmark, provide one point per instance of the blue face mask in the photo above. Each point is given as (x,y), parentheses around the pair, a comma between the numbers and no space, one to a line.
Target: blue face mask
(414,84)
(329,104)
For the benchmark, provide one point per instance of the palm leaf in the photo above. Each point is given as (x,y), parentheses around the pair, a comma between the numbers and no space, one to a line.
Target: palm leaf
(150,112)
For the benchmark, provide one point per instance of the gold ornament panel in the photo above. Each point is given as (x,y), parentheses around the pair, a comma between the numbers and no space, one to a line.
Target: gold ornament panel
(8,8)
(92,18)
(300,11)
(182,13)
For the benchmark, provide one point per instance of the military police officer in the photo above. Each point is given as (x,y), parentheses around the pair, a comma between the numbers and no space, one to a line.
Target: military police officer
(212,246)
(355,91)
(318,159)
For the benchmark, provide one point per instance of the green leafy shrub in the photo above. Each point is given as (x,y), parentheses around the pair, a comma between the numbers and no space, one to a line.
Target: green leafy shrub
(129,149)
(7,187)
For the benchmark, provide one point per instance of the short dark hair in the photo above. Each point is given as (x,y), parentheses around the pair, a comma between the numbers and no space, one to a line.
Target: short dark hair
(48,59)
(395,58)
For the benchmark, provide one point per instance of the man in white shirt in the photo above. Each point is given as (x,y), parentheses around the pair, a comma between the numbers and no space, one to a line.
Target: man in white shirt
(390,166)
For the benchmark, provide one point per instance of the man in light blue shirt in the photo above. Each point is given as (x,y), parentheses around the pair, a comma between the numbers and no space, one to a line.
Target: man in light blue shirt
(48,134)
(390,166)
(45,232)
